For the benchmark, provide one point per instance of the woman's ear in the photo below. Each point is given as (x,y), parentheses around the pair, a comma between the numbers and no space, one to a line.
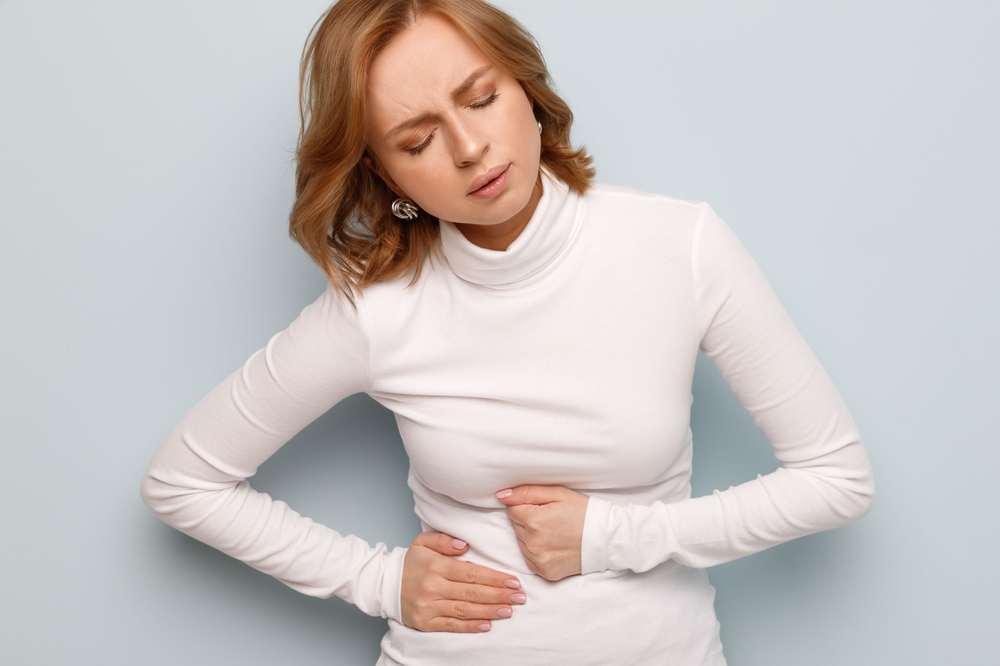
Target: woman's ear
(377,169)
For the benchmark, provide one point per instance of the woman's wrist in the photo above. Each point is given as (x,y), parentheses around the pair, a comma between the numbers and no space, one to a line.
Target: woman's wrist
(594,544)
(634,537)
(392,584)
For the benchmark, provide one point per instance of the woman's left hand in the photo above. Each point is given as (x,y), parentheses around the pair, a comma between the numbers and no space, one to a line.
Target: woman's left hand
(548,521)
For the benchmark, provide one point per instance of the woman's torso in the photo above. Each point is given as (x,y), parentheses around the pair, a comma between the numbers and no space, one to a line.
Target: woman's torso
(568,361)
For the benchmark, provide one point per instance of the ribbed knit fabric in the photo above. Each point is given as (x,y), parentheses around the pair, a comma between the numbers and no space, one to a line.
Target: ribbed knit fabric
(566,359)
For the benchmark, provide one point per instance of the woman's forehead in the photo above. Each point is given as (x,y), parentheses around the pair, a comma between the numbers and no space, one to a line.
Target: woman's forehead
(423,64)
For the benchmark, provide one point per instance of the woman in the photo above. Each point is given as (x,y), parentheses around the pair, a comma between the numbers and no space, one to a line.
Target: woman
(535,334)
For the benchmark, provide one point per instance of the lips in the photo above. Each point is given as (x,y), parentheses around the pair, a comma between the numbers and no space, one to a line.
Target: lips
(480,181)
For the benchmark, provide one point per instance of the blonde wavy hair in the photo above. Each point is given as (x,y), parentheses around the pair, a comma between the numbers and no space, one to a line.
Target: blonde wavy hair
(341,216)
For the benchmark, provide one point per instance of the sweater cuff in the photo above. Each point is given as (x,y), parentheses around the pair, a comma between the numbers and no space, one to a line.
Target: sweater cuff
(594,544)
(616,538)
(392,585)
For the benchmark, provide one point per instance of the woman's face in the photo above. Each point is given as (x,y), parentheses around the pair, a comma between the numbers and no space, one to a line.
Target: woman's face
(452,131)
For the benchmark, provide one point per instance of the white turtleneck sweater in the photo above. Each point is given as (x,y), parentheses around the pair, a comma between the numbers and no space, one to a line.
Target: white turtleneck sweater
(565,360)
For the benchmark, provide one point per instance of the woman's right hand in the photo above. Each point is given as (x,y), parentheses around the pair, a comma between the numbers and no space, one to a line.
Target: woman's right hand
(441,593)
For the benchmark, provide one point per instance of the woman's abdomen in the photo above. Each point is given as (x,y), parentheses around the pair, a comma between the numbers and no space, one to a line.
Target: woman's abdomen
(661,616)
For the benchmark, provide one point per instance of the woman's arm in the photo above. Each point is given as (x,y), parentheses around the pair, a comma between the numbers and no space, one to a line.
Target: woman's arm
(825,480)
(196,482)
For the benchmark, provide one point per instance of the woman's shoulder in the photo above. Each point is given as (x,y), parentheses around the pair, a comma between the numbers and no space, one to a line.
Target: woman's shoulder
(600,189)
(627,207)
(399,295)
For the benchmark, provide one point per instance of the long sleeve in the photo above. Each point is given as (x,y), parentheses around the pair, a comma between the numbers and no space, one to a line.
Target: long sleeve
(196,481)
(825,480)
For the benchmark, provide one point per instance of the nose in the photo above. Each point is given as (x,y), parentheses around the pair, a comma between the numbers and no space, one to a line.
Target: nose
(470,143)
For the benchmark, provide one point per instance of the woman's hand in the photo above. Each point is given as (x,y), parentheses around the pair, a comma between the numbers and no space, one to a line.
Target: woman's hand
(440,593)
(548,521)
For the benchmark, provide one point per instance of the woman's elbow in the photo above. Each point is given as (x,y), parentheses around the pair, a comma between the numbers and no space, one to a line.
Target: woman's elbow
(859,497)
(848,497)
(148,492)
(848,483)
(158,496)
(866,499)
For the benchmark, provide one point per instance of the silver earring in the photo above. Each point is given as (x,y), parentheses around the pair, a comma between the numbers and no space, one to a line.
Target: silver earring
(539,127)
(404,209)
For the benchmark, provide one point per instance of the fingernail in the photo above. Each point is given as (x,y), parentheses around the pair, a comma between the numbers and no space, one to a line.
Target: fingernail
(504,494)
(512,583)
(458,544)
(504,612)
(484,626)
(518,598)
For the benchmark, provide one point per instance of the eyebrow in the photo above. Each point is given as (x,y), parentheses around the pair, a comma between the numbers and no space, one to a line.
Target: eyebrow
(455,94)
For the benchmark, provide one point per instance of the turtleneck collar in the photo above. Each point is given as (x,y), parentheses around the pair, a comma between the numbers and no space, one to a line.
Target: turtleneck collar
(546,235)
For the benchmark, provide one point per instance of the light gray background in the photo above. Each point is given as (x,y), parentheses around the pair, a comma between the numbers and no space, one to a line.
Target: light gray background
(145,180)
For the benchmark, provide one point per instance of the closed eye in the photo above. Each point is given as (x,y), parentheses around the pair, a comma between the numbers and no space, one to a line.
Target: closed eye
(419,149)
(477,105)
(486,102)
